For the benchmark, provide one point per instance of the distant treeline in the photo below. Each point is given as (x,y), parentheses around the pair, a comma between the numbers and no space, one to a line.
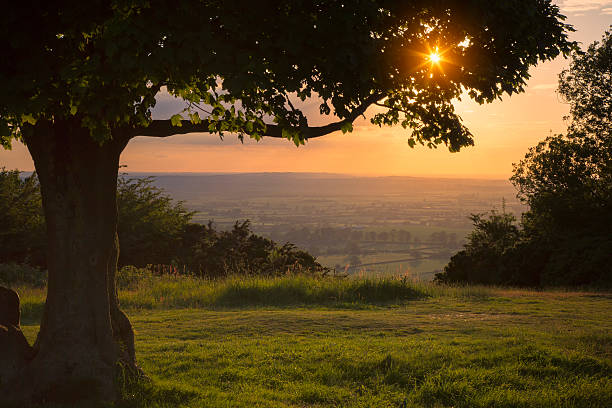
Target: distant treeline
(153,229)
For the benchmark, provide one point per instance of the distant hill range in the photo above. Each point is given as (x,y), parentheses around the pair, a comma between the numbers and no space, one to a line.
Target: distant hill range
(192,186)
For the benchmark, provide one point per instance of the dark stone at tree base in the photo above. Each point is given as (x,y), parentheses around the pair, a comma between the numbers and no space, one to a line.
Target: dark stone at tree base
(9,307)
(15,352)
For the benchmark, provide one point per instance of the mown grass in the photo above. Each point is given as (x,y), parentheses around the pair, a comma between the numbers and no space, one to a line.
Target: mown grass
(307,342)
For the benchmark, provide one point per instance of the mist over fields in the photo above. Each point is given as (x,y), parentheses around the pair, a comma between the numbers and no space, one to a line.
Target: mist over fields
(389,225)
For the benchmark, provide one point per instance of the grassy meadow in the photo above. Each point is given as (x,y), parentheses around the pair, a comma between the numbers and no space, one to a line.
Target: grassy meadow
(378,342)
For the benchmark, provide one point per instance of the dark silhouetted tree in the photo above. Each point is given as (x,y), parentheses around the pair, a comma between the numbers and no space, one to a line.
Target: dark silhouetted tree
(565,236)
(567,179)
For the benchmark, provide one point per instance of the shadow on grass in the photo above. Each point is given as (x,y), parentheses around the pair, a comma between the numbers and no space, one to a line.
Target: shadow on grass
(290,292)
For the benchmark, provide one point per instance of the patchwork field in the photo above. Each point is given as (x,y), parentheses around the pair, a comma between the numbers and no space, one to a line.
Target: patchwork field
(292,343)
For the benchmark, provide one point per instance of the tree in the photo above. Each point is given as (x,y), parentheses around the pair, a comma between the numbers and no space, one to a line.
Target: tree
(564,238)
(82,84)
(567,179)
(482,259)
(586,86)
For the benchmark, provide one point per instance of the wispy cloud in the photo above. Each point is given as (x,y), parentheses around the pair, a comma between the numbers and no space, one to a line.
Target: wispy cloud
(544,86)
(579,6)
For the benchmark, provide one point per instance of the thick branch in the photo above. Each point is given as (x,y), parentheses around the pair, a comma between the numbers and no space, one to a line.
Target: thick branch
(164,128)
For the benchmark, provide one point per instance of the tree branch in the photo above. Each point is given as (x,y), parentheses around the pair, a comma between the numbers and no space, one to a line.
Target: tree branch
(164,128)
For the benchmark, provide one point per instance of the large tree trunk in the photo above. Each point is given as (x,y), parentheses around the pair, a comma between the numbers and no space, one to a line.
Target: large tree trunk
(84,338)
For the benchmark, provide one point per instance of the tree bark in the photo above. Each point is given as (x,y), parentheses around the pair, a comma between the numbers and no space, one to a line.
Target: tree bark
(84,337)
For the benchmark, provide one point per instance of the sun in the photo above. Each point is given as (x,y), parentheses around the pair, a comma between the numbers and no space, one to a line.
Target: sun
(435,58)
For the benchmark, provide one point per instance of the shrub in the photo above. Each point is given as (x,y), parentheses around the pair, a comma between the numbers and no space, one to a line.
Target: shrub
(131,277)
(22,225)
(13,274)
(210,253)
(483,259)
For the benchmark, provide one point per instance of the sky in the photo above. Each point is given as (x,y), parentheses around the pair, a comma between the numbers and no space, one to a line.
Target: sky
(503,132)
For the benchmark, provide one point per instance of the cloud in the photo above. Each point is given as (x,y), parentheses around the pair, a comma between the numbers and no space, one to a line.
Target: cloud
(543,86)
(577,6)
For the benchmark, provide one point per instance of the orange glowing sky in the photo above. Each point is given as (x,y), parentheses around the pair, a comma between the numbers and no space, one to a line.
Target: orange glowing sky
(503,131)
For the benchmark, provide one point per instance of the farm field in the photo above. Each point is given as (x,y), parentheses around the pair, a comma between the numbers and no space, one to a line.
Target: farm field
(345,220)
(300,342)
(384,264)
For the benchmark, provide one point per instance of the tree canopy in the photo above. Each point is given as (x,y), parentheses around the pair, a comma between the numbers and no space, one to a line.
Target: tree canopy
(241,68)
(567,179)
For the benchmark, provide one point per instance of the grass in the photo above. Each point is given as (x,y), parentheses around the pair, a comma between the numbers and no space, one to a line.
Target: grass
(306,342)
(290,291)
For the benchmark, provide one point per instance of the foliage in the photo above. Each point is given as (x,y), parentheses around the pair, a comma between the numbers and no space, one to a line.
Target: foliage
(211,253)
(150,224)
(567,179)
(483,258)
(162,292)
(153,229)
(22,235)
(140,289)
(12,274)
(102,64)
(586,86)
(131,278)
(567,182)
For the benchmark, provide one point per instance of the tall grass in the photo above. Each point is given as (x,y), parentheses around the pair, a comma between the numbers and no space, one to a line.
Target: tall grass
(168,292)
(164,292)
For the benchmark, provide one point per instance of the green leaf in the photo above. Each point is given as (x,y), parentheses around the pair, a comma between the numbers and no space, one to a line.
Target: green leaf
(28,119)
(411,142)
(176,120)
(287,133)
(195,118)
(347,127)
(73,109)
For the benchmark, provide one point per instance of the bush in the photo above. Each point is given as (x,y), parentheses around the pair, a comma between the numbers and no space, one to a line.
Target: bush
(22,225)
(13,274)
(484,257)
(580,260)
(131,277)
(150,224)
(207,252)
